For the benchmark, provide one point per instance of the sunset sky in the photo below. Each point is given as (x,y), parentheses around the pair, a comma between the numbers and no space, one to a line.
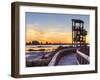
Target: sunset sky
(53,28)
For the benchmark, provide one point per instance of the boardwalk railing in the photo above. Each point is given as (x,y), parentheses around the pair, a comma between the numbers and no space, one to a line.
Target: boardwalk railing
(82,57)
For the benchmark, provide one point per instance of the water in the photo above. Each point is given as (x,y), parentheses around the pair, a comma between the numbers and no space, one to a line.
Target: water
(38,51)
(34,55)
(45,47)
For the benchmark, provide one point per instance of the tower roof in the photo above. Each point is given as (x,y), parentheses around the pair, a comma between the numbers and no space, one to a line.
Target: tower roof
(77,21)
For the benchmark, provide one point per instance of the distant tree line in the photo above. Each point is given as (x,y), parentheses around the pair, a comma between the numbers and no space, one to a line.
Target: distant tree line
(46,43)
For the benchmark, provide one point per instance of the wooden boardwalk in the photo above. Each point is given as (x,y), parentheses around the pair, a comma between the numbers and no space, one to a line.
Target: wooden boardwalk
(69,59)
(65,60)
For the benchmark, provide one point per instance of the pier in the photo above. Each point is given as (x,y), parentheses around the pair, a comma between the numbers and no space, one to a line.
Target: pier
(71,56)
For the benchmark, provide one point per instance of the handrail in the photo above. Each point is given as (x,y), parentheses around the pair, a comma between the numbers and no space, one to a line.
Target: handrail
(83,55)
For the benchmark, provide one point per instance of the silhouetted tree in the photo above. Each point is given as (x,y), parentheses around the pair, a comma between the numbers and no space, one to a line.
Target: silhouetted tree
(35,43)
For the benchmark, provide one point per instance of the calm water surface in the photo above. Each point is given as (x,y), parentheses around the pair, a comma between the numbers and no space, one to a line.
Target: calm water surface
(38,51)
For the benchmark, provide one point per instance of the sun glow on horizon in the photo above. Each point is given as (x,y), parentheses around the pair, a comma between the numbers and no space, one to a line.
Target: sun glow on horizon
(49,36)
(34,34)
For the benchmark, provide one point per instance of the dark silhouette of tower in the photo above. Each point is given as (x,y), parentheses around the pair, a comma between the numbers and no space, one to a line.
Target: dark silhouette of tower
(78,33)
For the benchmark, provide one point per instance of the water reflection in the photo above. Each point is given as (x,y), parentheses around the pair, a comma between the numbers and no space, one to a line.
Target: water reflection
(40,55)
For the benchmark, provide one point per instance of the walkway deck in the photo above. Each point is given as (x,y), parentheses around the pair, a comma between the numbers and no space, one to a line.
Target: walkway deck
(69,59)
